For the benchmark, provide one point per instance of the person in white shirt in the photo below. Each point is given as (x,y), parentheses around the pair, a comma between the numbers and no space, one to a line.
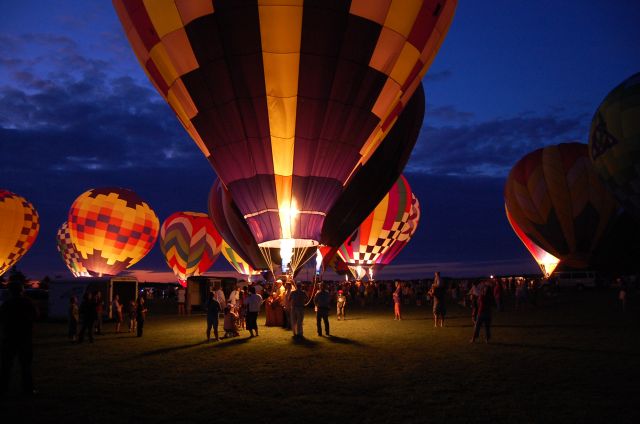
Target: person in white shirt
(252,303)
(234,296)
(220,298)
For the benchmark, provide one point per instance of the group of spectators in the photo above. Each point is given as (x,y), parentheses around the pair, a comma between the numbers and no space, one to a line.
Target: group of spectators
(87,317)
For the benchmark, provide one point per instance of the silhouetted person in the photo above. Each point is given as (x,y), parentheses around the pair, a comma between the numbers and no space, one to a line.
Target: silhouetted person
(88,316)
(141,314)
(485,303)
(213,309)
(298,300)
(17,316)
(322,301)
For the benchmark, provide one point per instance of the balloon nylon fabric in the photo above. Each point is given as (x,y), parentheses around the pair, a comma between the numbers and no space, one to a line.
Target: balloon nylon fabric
(380,229)
(286,99)
(614,143)
(19,227)
(69,253)
(112,228)
(189,243)
(557,199)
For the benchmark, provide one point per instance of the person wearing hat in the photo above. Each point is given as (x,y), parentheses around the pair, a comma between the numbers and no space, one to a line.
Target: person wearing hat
(341,304)
(17,316)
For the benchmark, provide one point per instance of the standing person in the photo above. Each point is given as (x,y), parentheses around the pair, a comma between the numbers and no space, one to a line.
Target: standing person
(234,296)
(17,315)
(322,301)
(397,301)
(497,295)
(299,299)
(222,300)
(485,303)
(182,296)
(438,292)
(213,310)
(88,317)
(116,309)
(341,304)
(286,305)
(141,314)
(74,318)
(253,302)
(132,316)
(99,301)
(474,294)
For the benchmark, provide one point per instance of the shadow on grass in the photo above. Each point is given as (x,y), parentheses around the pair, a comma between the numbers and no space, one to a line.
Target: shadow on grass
(566,349)
(304,342)
(171,349)
(344,340)
(234,342)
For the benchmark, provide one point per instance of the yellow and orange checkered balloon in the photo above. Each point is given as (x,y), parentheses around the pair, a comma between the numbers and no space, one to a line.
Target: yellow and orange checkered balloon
(112,229)
(19,226)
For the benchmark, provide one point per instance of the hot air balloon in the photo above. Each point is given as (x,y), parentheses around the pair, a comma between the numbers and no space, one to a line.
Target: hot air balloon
(378,231)
(287,100)
(19,226)
(112,228)
(190,244)
(555,197)
(614,143)
(69,253)
(403,237)
(235,231)
(545,260)
(239,264)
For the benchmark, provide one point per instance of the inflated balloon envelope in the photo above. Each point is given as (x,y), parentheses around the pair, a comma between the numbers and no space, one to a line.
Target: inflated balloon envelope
(287,99)
(19,227)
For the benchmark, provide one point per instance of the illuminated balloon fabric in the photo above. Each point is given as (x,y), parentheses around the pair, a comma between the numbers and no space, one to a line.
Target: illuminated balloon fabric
(112,229)
(19,226)
(190,244)
(232,227)
(380,229)
(546,261)
(69,253)
(239,264)
(403,237)
(555,196)
(614,142)
(374,180)
(286,99)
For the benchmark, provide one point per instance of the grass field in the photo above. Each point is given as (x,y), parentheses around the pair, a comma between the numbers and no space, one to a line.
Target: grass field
(573,359)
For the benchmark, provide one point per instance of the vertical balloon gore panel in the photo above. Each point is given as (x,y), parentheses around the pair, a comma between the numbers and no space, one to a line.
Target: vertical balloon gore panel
(292,97)
(19,227)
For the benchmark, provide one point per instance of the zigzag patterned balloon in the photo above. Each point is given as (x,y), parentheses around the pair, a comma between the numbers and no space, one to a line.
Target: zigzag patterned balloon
(190,244)
(69,253)
(239,264)
(19,226)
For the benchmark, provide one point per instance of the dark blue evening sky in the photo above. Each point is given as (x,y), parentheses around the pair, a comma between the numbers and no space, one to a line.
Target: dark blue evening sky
(76,112)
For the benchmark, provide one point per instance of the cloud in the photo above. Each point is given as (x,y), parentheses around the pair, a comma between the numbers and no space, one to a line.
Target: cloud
(488,148)
(63,111)
(445,74)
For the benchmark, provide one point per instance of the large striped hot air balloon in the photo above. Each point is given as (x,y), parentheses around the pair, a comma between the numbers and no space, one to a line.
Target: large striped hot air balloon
(545,260)
(403,237)
(287,99)
(190,244)
(614,142)
(379,230)
(556,198)
(69,253)
(19,226)
(112,228)
(239,264)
